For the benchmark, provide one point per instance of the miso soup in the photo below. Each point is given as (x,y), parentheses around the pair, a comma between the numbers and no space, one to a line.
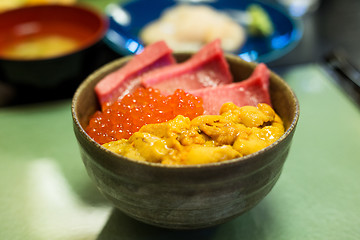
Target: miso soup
(39,46)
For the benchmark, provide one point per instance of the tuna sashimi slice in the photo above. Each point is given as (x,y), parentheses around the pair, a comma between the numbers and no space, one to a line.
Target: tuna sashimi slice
(251,91)
(206,68)
(123,81)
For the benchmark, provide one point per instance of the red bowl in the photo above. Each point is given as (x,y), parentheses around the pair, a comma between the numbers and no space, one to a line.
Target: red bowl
(79,24)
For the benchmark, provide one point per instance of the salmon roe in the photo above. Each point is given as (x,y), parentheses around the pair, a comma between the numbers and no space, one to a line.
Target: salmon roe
(144,106)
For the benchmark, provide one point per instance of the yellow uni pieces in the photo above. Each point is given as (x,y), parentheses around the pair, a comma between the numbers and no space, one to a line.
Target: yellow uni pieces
(236,132)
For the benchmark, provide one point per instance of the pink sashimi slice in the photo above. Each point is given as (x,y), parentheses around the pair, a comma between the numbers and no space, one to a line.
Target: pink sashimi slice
(251,91)
(123,81)
(206,68)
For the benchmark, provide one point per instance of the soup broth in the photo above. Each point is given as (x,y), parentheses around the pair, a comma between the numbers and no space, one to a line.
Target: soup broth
(39,46)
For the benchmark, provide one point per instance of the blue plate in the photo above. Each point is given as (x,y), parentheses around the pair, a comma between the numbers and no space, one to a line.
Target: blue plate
(128,19)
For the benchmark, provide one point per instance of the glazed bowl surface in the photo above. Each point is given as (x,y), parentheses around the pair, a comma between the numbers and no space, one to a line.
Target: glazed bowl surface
(31,39)
(192,196)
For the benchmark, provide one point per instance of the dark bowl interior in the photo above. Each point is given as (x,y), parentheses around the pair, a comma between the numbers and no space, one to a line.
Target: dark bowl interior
(80,23)
(185,197)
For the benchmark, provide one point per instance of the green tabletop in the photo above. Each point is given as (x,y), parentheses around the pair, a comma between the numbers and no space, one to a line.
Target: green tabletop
(101,4)
(45,192)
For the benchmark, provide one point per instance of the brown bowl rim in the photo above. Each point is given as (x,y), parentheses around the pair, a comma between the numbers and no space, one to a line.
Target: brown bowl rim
(240,160)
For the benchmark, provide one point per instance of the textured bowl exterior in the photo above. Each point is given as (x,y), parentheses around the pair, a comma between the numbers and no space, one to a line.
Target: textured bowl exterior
(185,197)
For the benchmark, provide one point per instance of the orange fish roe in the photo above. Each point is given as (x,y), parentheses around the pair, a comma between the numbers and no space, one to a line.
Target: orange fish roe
(144,106)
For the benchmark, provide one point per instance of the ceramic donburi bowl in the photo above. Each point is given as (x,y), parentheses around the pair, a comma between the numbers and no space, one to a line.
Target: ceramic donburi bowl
(185,197)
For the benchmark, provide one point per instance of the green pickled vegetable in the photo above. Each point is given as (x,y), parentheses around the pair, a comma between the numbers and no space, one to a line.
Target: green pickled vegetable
(260,23)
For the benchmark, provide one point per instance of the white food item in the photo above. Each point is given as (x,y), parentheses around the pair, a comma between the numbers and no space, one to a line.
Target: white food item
(189,27)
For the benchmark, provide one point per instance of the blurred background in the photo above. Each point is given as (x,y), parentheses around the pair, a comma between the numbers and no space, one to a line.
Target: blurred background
(327,26)
(45,192)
